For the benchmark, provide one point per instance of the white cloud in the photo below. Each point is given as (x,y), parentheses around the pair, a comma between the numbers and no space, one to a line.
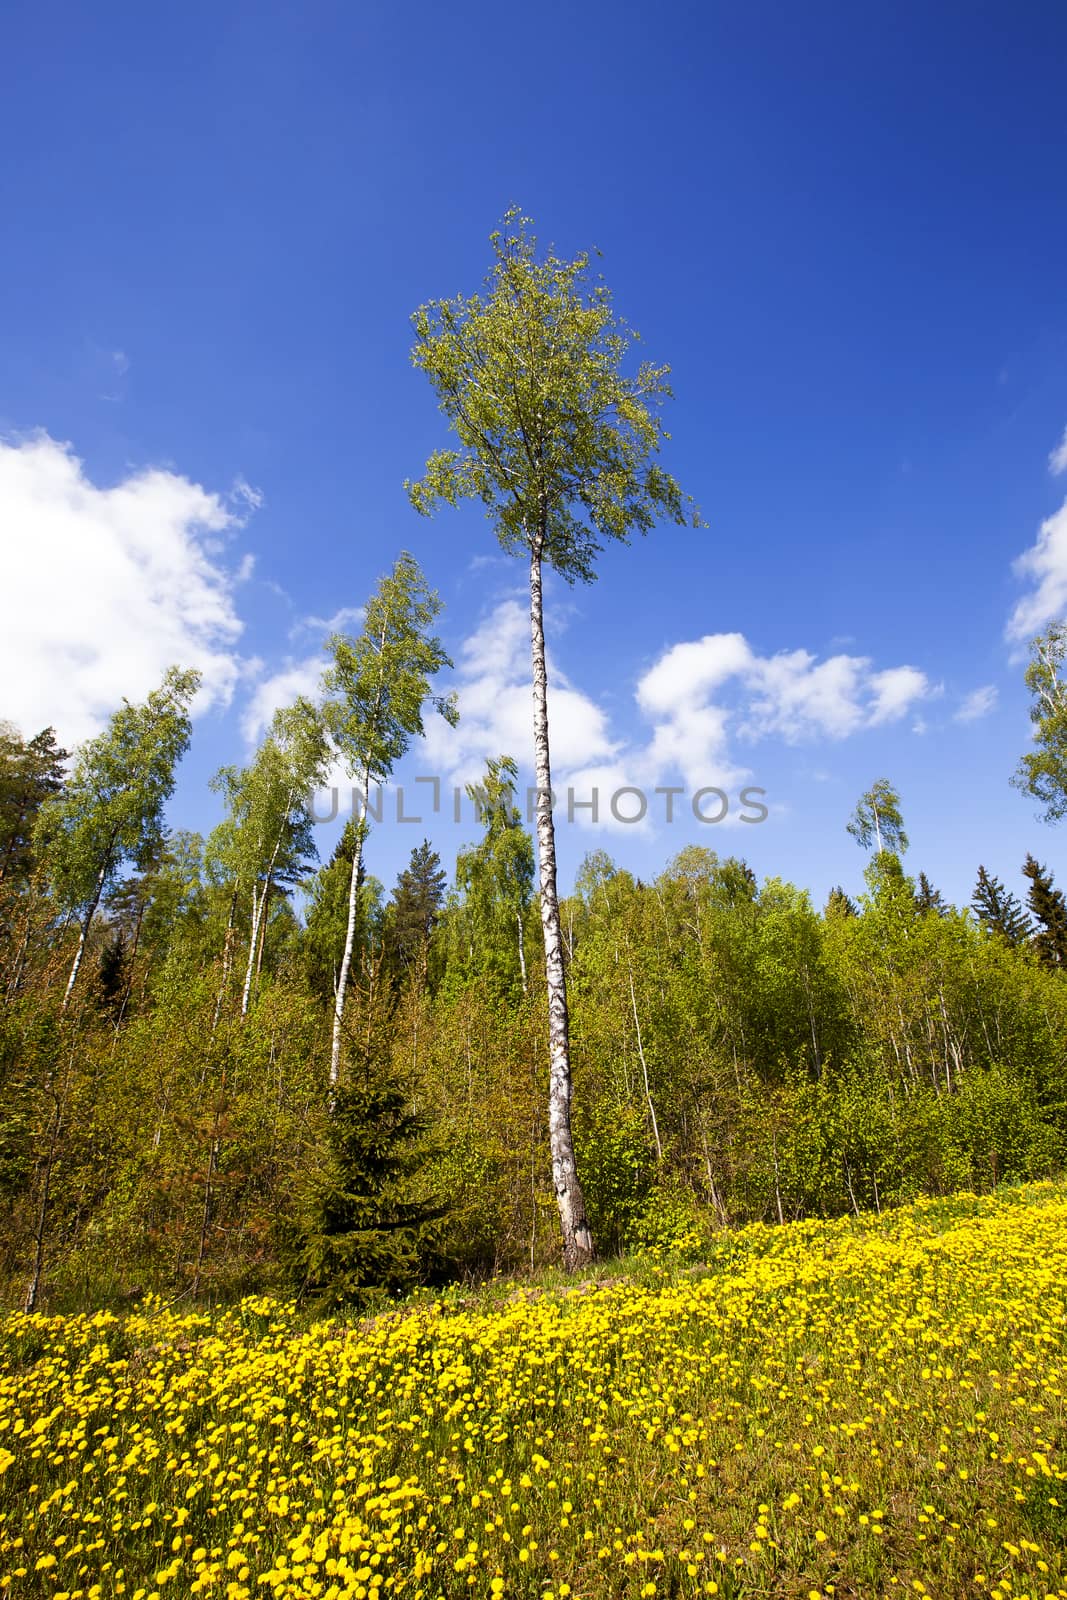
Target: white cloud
(797,697)
(979,703)
(281,689)
(702,692)
(791,694)
(245,494)
(698,699)
(1057,461)
(104,588)
(344,620)
(1045,566)
(895,692)
(495,715)
(686,672)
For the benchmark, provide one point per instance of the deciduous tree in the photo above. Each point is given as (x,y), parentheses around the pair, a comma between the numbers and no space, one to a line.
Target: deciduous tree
(377,687)
(112,808)
(496,875)
(559,444)
(877,820)
(1042,771)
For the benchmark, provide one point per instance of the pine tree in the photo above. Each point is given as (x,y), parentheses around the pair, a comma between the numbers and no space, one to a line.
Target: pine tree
(414,908)
(1049,907)
(30,774)
(927,898)
(362,1227)
(838,904)
(112,971)
(999,910)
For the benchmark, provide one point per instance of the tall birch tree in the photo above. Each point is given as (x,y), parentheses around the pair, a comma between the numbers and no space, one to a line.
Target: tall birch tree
(559,445)
(877,820)
(112,808)
(376,689)
(1042,771)
(266,836)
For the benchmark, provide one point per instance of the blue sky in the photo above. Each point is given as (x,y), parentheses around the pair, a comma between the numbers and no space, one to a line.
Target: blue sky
(843,227)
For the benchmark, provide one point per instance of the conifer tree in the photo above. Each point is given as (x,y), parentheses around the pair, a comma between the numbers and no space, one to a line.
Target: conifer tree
(1049,908)
(113,971)
(839,904)
(927,898)
(999,910)
(30,774)
(414,908)
(559,445)
(361,1226)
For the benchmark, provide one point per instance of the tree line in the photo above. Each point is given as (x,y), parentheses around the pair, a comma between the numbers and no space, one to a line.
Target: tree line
(225,1065)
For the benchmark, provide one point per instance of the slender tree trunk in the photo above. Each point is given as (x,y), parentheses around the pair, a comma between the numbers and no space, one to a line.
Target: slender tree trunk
(15,826)
(267,887)
(101,879)
(350,936)
(644,1064)
(713,1188)
(259,912)
(34,1288)
(205,1215)
(15,980)
(253,941)
(578,1248)
(522,950)
(227,956)
(132,958)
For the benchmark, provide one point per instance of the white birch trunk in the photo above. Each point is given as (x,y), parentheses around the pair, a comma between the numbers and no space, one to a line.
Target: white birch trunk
(259,911)
(350,936)
(84,934)
(644,1064)
(578,1248)
(253,940)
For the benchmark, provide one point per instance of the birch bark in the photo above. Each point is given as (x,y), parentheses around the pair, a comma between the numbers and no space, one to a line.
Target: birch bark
(350,935)
(101,879)
(577,1236)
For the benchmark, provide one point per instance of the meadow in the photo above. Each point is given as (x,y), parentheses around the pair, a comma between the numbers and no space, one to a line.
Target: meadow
(863,1407)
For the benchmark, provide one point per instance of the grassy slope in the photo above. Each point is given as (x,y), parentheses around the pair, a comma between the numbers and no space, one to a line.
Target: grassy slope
(867,1407)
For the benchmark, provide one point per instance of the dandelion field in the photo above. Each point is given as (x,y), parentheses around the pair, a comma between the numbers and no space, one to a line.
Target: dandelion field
(857,1408)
